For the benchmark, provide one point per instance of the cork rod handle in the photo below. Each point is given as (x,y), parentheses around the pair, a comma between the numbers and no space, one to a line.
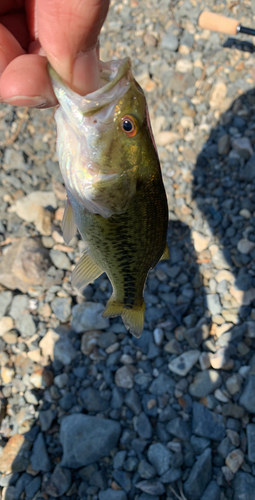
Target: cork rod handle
(216,22)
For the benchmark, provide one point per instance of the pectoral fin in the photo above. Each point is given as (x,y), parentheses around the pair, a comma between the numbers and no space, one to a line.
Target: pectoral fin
(68,223)
(166,253)
(85,271)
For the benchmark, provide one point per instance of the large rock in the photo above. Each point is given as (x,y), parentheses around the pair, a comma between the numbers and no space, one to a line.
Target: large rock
(218,95)
(88,316)
(92,401)
(39,458)
(179,428)
(59,482)
(124,377)
(27,207)
(212,492)
(207,424)
(57,345)
(247,398)
(204,383)
(110,494)
(31,208)
(160,457)
(162,384)
(247,173)
(183,363)
(251,442)
(244,486)
(200,476)
(5,300)
(86,439)
(152,487)
(15,455)
(24,265)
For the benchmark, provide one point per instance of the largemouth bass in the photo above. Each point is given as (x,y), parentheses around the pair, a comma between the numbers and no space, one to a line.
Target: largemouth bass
(115,192)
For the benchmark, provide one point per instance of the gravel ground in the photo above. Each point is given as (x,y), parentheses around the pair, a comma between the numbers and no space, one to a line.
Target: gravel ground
(87,411)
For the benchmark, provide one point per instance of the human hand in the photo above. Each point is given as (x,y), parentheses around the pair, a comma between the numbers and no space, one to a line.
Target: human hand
(63,32)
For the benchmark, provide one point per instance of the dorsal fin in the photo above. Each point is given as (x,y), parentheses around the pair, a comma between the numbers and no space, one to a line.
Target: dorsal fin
(85,271)
(68,223)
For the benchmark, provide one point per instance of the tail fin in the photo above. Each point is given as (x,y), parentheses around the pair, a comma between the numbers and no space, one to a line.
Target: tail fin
(133,319)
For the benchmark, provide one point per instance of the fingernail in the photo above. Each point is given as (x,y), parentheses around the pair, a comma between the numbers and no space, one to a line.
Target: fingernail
(86,76)
(31,102)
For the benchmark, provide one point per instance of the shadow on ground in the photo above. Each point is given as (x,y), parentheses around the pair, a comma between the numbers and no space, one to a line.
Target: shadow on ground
(176,297)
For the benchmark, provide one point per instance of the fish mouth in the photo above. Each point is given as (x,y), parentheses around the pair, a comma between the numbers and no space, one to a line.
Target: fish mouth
(115,76)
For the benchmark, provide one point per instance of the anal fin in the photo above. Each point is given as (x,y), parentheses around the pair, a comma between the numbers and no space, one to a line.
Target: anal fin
(166,253)
(68,223)
(85,271)
(133,319)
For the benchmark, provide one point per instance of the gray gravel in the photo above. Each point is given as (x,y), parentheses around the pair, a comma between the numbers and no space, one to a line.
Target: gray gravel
(87,411)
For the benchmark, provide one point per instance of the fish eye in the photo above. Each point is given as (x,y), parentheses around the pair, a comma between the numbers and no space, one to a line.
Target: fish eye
(129,125)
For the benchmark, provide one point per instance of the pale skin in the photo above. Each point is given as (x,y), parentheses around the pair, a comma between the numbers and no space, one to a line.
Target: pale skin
(63,32)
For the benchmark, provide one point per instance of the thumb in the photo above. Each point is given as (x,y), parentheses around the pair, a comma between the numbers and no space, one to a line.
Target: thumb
(68,33)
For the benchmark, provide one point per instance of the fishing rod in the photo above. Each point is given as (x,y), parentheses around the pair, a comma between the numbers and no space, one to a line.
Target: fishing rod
(217,22)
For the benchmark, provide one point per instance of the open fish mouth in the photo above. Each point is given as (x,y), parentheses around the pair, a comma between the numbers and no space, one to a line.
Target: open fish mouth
(115,77)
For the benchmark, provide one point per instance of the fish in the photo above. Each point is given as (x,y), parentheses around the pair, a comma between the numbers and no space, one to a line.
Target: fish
(115,192)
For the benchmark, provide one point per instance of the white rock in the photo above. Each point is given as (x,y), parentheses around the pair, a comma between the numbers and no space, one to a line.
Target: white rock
(7,374)
(213,302)
(27,207)
(187,122)
(246,214)
(43,221)
(184,66)
(234,460)
(166,137)
(243,297)
(218,394)
(158,335)
(223,328)
(218,95)
(157,124)
(243,147)
(224,275)
(88,316)
(219,358)
(220,261)
(233,436)
(124,377)
(58,346)
(183,363)
(47,343)
(6,324)
(201,242)
(245,246)
(204,360)
(89,341)
(126,359)
(234,383)
(112,348)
